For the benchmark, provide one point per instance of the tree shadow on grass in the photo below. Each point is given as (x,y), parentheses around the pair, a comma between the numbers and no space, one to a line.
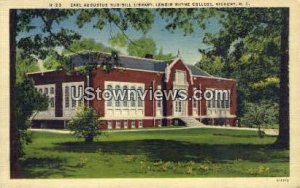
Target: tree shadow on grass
(178,151)
(43,167)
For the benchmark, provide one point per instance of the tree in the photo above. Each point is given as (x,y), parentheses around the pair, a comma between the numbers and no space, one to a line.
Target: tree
(86,45)
(41,45)
(239,24)
(85,124)
(139,47)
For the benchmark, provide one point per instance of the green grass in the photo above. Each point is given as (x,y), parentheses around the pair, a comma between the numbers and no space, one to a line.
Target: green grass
(169,153)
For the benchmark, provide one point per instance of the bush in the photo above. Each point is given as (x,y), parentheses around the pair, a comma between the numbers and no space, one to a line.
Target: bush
(85,124)
(262,114)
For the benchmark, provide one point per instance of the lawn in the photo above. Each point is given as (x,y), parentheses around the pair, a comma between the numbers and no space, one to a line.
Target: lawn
(168,153)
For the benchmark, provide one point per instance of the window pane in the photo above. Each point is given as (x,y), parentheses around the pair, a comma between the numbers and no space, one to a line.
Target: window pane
(51,90)
(117,94)
(52,102)
(132,97)
(125,101)
(80,93)
(140,102)
(109,102)
(67,95)
(73,95)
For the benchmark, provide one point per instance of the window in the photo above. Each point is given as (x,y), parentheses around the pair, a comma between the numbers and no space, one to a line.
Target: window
(213,103)
(132,123)
(118,124)
(125,101)
(140,124)
(180,77)
(159,102)
(140,102)
(67,94)
(218,103)
(73,96)
(80,93)
(132,96)
(51,90)
(109,124)
(51,102)
(118,99)
(209,104)
(109,102)
(227,104)
(125,124)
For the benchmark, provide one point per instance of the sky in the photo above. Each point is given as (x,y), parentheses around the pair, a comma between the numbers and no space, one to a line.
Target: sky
(170,42)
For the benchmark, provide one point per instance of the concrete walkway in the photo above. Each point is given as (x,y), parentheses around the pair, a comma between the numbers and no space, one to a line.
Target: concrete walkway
(271,132)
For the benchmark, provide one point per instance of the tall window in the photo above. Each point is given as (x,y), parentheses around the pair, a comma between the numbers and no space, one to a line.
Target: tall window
(118,91)
(125,101)
(132,96)
(73,96)
(80,90)
(109,102)
(49,91)
(140,100)
(180,77)
(67,96)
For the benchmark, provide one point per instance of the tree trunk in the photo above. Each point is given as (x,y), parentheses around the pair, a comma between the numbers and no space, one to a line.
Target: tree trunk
(284,123)
(14,134)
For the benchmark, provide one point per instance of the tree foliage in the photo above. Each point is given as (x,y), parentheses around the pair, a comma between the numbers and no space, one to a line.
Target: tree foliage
(28,100)
(85,124)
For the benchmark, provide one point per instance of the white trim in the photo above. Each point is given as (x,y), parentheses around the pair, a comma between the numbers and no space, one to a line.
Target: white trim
(41,72)
(168,70)
(140,70)
(50,111)
(70,111)
(213,77)
(121,111)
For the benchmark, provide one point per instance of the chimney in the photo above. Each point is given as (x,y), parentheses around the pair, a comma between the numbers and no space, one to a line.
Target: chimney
(149,56)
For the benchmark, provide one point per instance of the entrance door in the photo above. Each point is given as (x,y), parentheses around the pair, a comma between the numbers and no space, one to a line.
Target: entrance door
(179,108)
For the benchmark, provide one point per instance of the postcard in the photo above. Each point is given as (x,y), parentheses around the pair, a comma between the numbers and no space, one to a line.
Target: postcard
(149,93)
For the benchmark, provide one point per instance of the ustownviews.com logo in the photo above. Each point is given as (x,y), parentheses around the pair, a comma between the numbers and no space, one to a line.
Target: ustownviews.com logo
(90,93)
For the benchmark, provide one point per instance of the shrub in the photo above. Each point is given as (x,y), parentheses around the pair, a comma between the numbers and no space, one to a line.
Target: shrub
(85,124)
(262,114)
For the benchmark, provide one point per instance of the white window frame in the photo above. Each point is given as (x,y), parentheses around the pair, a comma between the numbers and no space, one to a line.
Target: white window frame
(215,111)
(70,110)
(49,95)
(123,111)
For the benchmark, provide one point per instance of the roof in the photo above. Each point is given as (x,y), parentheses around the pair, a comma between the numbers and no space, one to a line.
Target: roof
(136,63)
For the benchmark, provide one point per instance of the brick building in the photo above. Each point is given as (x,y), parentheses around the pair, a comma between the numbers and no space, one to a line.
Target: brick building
(133,73)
